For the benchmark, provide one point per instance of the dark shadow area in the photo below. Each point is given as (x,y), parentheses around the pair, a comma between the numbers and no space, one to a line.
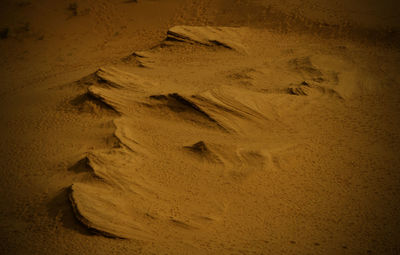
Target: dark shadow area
(59,208)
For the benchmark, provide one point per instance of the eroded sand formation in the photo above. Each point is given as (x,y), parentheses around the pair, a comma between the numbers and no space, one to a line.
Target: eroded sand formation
(235,127)
(213,120)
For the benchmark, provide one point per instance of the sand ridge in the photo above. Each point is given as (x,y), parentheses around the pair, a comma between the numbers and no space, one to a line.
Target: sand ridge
(235,136)
(234,127)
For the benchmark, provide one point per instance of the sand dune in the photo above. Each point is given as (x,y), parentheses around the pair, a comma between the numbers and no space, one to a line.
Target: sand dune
(191,144)
(199,127)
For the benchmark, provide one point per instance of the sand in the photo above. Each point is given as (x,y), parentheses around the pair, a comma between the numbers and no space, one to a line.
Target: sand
(200,127)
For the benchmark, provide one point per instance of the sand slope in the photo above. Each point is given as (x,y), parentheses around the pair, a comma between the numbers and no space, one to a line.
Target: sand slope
(204,128)
(235,127)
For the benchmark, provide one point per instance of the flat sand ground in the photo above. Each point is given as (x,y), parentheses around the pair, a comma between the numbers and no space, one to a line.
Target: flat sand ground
(199,127)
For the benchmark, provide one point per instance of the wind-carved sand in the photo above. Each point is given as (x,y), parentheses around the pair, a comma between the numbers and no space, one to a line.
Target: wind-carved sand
(201,129)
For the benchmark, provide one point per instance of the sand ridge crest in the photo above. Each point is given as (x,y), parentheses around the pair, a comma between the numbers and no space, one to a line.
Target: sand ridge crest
(211,36)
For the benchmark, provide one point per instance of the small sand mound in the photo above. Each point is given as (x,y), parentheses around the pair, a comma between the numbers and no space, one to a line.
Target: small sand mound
(201,150)
(199,147)
(305,89)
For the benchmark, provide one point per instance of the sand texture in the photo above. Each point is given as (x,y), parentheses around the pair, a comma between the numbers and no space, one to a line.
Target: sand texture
(201,127)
